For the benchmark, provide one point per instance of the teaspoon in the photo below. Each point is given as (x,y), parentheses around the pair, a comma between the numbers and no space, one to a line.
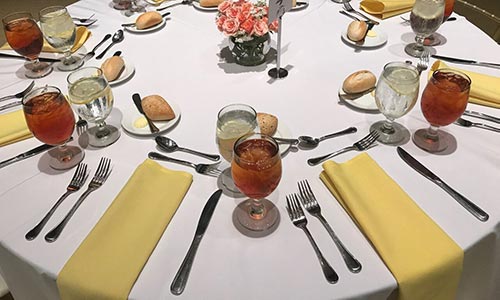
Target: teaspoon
(117,37)
(168,145)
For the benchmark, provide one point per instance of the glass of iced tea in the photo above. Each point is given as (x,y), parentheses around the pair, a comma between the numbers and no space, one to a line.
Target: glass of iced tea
(443,101)
(256,170)
(52,121)
(24,37)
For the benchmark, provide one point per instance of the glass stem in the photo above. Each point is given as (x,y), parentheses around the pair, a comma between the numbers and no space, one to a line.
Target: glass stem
(432,133)
(388,128)
(64,154)
(420,42)
(257,209)
(67,60)
(102,130)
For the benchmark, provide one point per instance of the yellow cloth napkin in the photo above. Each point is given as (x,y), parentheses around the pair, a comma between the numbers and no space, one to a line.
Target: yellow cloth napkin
(425,261)
(484,89)
(82,35)
(109,260)
(386,8)
(13,128)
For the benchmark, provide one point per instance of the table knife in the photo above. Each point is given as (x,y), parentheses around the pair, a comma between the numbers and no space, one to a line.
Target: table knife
(25,155)
(467,61)
(12,104)
(479,115)
(138,103)
(182,275)
(475,210)
(43,59)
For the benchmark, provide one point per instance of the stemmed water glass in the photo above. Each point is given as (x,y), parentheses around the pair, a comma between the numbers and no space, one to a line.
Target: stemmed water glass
(60,32)
(395,95)
(256,170)
(91,96)
(448,9)
(233,122)
(443,101)
(51,120)
(24,36)
(425,18)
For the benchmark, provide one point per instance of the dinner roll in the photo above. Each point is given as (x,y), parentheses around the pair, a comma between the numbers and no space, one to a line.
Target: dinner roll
(267,123)
(210,3)
(113,67)
(357,30)
(148,19)
(157,109)
(359,81)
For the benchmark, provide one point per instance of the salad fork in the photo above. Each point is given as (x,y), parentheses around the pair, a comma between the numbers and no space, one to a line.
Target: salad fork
(423,61)
(20,94)
(81,126)
(100,176)
(299,219)
(348,7)
(205,169)
(75,184)
(360,145)
(312,206)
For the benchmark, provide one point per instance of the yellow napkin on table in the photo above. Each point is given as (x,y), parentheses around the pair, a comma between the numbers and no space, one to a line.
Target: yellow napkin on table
(425,261)
(82,35)
(109,260)
(484,89)
(386,8)
(13,128)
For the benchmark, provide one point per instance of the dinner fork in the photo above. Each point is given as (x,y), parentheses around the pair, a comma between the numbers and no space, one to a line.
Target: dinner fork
(312,206)
(81,125)
(20,94)
(100,176)
(370,22)
(360,145)
(83,20)
(299,219)
(467,123)
(205,169)
(423,61)
(75,184)
(348,7)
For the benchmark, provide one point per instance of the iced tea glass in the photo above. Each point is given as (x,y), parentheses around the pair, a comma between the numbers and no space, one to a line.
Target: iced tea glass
(51,120)
(24,37)
(256,170)
(443,101)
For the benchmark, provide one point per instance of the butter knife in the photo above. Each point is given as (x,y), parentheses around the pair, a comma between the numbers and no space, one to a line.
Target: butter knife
(43,59)
(25,155)
(182,275)
(479,115)
(467,61)
(475,210)
(12,104)
(138,103)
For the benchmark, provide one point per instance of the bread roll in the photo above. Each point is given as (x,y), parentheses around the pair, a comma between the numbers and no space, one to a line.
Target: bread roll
(148,19)
(267,123)
(357,30)
(157,109)
(210,3)
(359,81)
(113,67)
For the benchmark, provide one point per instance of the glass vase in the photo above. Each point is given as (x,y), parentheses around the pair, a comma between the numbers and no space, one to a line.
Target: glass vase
(252,52)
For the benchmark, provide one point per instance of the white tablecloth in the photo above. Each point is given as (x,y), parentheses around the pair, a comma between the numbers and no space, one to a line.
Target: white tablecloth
(182,63)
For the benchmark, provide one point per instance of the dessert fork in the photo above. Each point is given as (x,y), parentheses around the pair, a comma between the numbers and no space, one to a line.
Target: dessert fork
(81,125)
(100,176)
(20,94)
(360,145)
(348,7)
(298,218)
(75,184)
(423,62)
(312,206)
(205,169)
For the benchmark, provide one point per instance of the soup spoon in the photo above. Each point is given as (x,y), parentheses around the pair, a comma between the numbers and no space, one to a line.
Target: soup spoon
(117,37)
(168,145)
(309,142)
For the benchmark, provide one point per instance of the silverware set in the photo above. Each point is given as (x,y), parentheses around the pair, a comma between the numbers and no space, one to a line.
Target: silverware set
(77,182)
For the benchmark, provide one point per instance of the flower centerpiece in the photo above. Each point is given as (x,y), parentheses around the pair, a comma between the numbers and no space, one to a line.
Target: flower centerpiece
(245,24)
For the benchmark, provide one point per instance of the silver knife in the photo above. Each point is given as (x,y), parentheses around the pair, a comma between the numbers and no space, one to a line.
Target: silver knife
(25,155)
(479,115)
(475,210)
(467,61)
(138,103)
(12,104)
(182,275)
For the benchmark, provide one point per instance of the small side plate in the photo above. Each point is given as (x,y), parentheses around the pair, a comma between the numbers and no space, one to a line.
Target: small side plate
(131,114)
(197,5)
(126,73)
(378,40)
(365,102)
(158,26)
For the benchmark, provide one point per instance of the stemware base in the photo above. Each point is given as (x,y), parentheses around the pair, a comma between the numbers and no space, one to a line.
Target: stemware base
(414,49)
(65,158)
(432,40)
(431,143)
(227,184)
(102,136)
(72,63)
(257,222)
(396,136)
(37,69)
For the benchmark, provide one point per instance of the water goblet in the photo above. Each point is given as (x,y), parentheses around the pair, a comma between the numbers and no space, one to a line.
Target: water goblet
(256,170)
(448,9)
(60,32)
(91,96)
(52,121)
(425,18)
(24,37)
(443,101)
(233,122)
(395,95)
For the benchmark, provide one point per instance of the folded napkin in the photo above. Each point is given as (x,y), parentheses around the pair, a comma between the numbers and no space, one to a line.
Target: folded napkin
(14,128)
(425,261)
(82,35)
(109,260)
(484,89)
(386,8)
